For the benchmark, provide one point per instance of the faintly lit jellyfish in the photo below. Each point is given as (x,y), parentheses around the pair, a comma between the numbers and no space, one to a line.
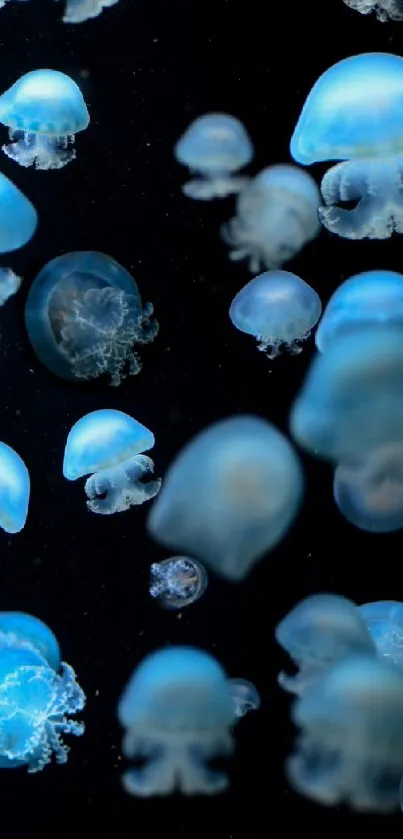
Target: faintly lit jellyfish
(368,488)
(230,495)
(350,750)
(215,146)
(107,445)
(177,711)
(85,318)
(351,402)
(244,695)
(77,11)
(384,9)
(354,113)
(278,309)
(318,632)
(18,217)
(384,619)
(14,490)
(177,582)
(43,110)
(38,693)
(277,214)
(9,284)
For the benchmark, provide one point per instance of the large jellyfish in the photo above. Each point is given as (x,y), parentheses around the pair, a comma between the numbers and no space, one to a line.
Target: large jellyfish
(384,620)
(177,710)
(215,146)
(319,631)
(354,113)
(384,9)
(14,490)
(230,496)
(368,488)
(43,110)
(107,445)
(177,582)
(350,750)
(18,217)
(278,309)
(276,215)
(77,11)
(84,318)
(38,693)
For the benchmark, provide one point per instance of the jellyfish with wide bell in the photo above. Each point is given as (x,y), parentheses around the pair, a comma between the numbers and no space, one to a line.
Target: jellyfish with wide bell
(384,9)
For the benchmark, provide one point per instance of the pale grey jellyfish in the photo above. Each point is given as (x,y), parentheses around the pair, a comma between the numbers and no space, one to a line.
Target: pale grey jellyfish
(384,619)
(384,9)
(106,445)
(276,215)
(244,695)
(278,309)
(77,11)
(368,488)
(230,495)
(354,113)
(177,582)
(215,146)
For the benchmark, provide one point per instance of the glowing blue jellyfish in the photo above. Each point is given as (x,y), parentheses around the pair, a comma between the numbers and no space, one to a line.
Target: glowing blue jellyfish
(318,632)
(244,695)
(14,490)
(278,309)
(18,218)
(368,488)
(177,582)
(351,402)
(9,284)
(230,496)
(384,9)
(350,750)
(177,711)
(384,619)
(84,318)
(77,11)
(354,113)
(215,146)
(38,693)
(43,110)
(277,214)
(106,444)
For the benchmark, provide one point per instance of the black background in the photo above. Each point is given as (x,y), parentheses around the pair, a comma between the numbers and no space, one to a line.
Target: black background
(147,68)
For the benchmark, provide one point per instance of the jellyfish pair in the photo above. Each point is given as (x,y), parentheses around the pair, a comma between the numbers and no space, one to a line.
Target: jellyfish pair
(108,446)
(38,695)
(384,9)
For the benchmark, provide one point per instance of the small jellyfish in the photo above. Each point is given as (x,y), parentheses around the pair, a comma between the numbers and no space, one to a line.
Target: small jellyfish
(14,490)
(77,11)
(384,9)
(177,582)
(106,444)
(43,111)
(276,215)
(84,318)
(384,620)
(38,693)
(244,695)
(215,146)
(350,750)
(9,284)
(368,488)
(177,711)
(278,309)
(318,632)
(18,217)
(230,495)
(354,113)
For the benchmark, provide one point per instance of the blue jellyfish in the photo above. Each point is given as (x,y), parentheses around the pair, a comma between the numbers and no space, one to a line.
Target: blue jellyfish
(368,488)
(106,445)
(351,402)
(354,113)
(177,711)
(350,750)
(384,620)
(43,110)
(177,582)
(230,496)
(18,218)
(278,309)
(84,318)
(276,215)
(14,490)
(244,696)
(77,11)
(9,284)
(319,631)
(38,693)
(215,146)
(384,9)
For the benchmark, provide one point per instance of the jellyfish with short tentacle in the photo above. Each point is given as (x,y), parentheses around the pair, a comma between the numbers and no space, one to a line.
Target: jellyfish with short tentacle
(77,11)
(384,620)
(107,445)
(276,215)
(85,318)
(216,146)
(177,711)
(43,111)
(368,488)
(18,217)
(245,696)
(38,695)
(278,309)
(230,496)
(384,9)
(177,582)
(354,114)
(14,490)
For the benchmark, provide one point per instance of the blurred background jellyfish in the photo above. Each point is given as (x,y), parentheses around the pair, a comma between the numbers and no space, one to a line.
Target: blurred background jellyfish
(276,215)
(350,750)
(384,620)
(319,631)
(245,696)
(354,113)
(215,146)
(278,309)
(177,711)
(230,495)
(77,11)
(14,490)
(18,217)
(107,445)
(84,318)
(368,488)
(9,284)
(38,695)
(43,111)
(384,9)
(177,582)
